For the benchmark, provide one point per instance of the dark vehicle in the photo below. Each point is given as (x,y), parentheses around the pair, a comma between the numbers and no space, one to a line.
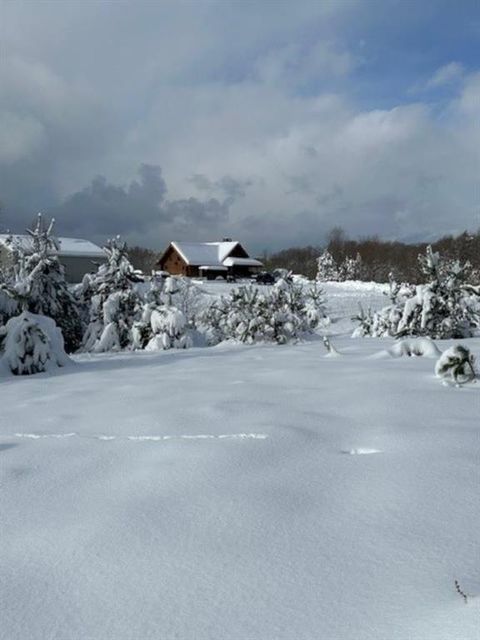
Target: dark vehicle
(264,277)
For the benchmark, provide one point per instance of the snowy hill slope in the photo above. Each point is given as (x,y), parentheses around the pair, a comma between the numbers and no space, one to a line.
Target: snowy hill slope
(240,493)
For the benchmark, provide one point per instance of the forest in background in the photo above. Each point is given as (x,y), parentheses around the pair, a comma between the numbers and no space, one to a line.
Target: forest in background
(379,257)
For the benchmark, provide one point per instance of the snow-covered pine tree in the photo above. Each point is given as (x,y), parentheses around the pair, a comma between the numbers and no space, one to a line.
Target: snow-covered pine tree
(36,282)
(350,268)
(313,306)
(162,325)
(31,343)
(327,268)
(185,296)
(114,302)
(444,307)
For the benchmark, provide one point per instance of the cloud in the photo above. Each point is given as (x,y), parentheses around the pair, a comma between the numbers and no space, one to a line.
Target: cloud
(270,124)
(299,66)
(448,74)
(20,137)
(229,187)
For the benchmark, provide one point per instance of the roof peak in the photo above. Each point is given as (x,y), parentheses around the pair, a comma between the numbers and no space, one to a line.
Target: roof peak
(205,253)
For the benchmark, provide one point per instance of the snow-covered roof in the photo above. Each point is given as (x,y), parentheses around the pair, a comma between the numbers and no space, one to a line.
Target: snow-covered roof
(215,267)
(68,246)
(245,262)
(204,253)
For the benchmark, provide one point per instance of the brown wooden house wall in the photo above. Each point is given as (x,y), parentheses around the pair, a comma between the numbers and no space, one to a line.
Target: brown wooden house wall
(173,263)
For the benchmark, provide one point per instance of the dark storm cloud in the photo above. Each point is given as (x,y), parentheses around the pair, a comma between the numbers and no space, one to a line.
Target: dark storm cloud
(140,209)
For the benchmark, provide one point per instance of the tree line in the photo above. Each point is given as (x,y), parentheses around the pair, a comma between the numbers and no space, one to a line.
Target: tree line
(379,258)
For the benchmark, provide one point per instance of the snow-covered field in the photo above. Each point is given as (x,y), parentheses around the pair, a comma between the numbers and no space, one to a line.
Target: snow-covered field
(242,493)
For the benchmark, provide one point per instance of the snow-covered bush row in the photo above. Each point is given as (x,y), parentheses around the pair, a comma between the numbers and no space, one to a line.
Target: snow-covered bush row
(283,313)
(107,312)
(122,316)
(444,307)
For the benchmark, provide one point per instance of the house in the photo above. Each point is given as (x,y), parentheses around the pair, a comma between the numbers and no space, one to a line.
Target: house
(77,256)
(208,259)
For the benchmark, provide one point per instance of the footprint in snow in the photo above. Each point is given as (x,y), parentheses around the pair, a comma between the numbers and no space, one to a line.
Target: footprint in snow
(142,438)
(360,451)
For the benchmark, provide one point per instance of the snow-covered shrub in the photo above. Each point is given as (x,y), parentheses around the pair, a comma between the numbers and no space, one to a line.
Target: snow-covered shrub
(248,314)
(456,364)
(417,347)
(36,282)
(162,325)
(327,268)
(115,304)
(350,268)
(365,320)
(30,344)
(186,296)
(444,307)
(380,323)
(168,326)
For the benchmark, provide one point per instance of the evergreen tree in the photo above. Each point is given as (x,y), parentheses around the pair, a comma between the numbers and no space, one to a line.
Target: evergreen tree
(114,302)
(162,325)
(350,269)
(327,268)
(36,282)
(31,344)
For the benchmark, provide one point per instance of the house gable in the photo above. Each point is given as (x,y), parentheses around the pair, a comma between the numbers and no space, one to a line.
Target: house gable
(173,261)
(237,252)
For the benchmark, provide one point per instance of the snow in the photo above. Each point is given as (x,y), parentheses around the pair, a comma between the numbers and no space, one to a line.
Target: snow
(413,347)
(77,246)
(246,262)
(68,246)
(204,253)
(212,254)
(242,493)
(215,267)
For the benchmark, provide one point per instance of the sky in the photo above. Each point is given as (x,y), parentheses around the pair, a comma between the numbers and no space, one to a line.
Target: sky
(267,121)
